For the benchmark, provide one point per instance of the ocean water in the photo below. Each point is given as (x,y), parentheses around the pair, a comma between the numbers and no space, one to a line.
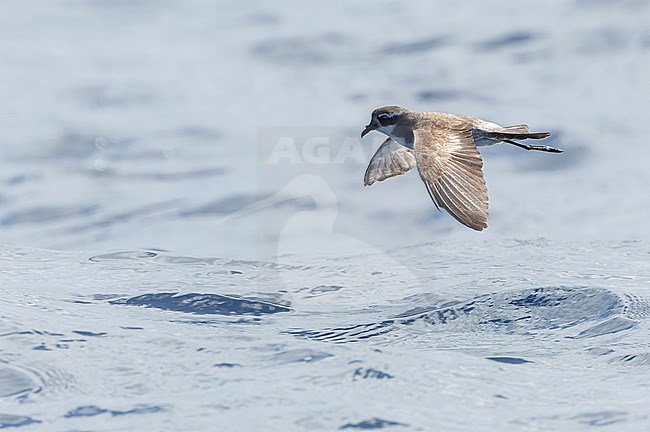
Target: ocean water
(508,335)
(186,242)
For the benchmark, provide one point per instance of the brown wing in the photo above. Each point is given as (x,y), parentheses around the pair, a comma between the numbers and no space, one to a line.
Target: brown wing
(451,168)
(391,159)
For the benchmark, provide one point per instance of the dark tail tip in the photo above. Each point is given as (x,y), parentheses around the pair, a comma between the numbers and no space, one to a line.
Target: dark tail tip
(538,135)
(518,136)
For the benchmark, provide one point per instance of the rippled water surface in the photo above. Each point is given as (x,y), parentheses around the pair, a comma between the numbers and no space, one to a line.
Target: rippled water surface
(495,335)
(186,242)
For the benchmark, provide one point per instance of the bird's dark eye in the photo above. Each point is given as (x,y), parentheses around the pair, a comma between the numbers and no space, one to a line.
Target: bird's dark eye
(385,119)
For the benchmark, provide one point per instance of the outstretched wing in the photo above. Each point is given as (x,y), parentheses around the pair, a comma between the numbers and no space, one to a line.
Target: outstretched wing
(390,159)
(452,170)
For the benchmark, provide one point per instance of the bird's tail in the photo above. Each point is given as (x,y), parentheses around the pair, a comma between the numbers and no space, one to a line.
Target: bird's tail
(520,132)
(517,134)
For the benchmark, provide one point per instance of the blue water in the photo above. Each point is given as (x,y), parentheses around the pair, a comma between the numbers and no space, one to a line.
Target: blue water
(490,335)
(186,242)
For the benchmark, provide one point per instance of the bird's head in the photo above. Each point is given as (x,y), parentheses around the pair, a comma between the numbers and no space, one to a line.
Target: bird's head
(385,119)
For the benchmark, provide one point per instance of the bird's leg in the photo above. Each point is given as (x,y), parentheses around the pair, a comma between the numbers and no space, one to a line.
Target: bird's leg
(534,147)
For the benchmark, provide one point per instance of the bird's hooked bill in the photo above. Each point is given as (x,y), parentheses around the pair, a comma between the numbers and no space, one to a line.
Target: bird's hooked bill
(368,128)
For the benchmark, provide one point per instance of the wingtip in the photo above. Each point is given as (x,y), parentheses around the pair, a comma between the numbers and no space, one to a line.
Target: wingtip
(478,228)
